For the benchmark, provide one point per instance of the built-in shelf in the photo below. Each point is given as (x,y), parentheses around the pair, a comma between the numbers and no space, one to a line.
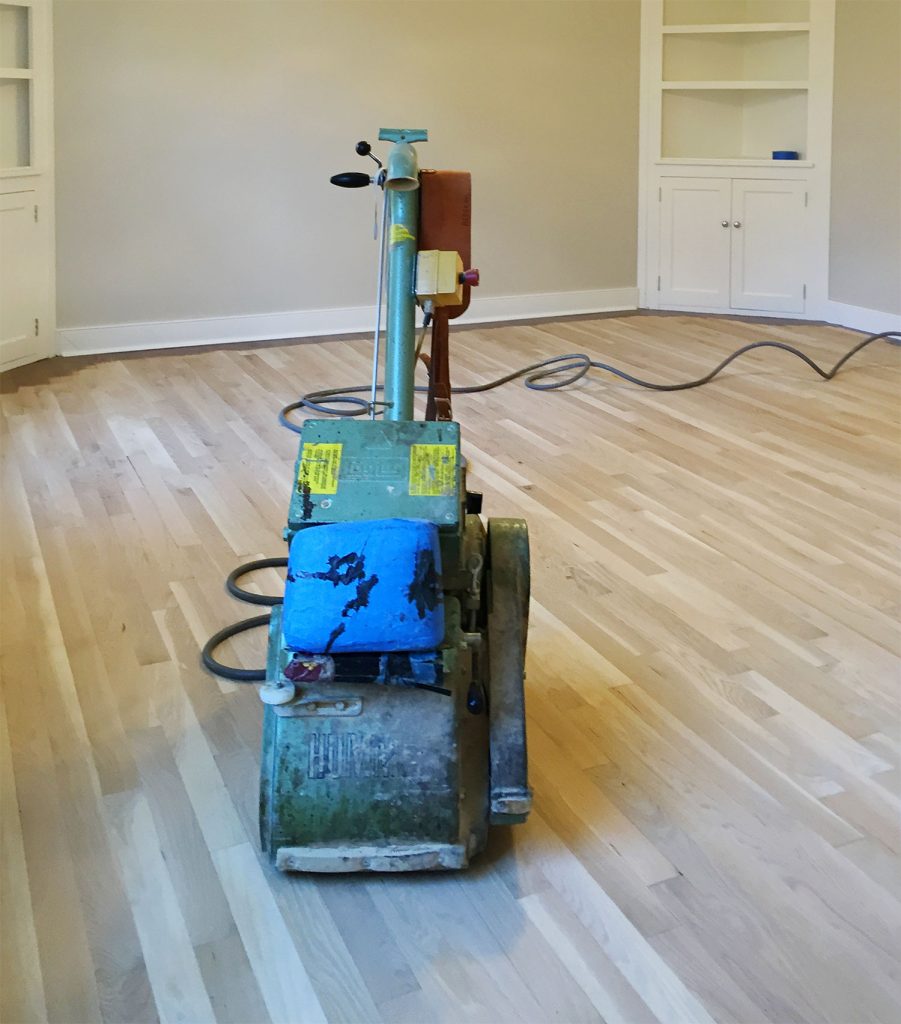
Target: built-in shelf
(734,81)
(15,120)
(731,123)
(731,162)
(797,86)
(14,39)
(701,13)
(735,57)
(16,73)
(764,26)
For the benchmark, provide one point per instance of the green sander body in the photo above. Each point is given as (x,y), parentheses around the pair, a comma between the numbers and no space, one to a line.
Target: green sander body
(376,757)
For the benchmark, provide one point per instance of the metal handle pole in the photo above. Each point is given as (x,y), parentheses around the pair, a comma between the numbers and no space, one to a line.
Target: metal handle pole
(378,307)
(402,181)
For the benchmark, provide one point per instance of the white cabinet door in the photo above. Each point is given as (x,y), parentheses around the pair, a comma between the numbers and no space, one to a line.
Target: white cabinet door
(769,248)
(21,280)
(694,243)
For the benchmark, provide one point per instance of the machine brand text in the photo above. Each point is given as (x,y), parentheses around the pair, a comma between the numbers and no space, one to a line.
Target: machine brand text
(353,755)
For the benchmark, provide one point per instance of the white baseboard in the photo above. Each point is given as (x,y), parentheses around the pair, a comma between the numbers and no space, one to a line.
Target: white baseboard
(544,304)
(859,318)
(79,341)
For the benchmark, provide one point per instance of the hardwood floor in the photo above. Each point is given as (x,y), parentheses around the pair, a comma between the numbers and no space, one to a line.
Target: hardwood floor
(713,696)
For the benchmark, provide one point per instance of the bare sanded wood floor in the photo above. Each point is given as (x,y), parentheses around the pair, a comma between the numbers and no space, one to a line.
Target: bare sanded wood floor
(713,697)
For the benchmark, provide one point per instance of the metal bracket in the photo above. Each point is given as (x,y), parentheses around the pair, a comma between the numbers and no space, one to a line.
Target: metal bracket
(403,135)
(320,707)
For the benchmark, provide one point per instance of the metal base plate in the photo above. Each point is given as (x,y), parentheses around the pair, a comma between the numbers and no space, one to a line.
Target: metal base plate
(337,859)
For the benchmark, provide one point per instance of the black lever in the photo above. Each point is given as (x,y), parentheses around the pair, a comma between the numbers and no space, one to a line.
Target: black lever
(351,179)
(364,149)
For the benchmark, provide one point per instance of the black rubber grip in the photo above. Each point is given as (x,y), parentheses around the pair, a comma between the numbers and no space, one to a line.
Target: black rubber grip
(351,179)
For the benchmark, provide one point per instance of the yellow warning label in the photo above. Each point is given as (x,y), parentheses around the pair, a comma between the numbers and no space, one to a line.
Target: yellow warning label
(319,466)
(400,233)
(433,469)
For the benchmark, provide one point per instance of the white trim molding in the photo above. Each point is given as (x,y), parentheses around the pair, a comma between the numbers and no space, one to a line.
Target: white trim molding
(859,318)
(311,323)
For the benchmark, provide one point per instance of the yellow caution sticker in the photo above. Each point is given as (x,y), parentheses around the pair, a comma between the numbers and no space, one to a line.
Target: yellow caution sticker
(319,466)
(433,469)
(400,233)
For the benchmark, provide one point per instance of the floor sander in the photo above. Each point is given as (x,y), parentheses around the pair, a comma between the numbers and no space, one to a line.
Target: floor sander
(394,724)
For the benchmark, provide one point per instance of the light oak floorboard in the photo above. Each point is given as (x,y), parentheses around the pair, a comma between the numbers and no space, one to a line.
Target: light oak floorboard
(714,695)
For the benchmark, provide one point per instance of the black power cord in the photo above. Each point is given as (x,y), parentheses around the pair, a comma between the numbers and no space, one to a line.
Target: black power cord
(236,675)
(574,365)
(248,595)
(242,675)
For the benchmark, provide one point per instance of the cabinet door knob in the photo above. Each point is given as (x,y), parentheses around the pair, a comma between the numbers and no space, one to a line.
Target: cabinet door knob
(725,223)
(736,223)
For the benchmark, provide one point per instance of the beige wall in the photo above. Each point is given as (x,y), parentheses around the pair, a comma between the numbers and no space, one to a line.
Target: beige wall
(194,143)
(865,249)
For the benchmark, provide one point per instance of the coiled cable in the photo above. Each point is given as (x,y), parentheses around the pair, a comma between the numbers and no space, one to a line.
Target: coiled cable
(555,373)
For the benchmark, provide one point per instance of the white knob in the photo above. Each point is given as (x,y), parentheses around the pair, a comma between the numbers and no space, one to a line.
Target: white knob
(270,694)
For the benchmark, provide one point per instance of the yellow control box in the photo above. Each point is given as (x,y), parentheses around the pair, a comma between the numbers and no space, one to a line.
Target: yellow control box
(438,275)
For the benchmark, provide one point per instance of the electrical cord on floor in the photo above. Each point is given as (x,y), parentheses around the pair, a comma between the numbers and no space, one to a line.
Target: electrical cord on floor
(249,596)
(574,365)
(236,675)
(242,675)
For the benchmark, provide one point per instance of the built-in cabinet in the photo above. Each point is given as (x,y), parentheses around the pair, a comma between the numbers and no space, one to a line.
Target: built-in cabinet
(26,183)
(23,278)
(723,224)
(732,243)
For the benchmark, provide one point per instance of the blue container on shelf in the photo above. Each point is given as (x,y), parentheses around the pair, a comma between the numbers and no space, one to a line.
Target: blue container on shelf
(785,154)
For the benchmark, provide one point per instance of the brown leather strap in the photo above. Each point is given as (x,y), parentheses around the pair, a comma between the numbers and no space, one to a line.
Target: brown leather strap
(445,219)
(445,222)
(438,402)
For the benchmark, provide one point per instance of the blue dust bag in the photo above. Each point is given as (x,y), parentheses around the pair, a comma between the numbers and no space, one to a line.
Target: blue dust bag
(366,586)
